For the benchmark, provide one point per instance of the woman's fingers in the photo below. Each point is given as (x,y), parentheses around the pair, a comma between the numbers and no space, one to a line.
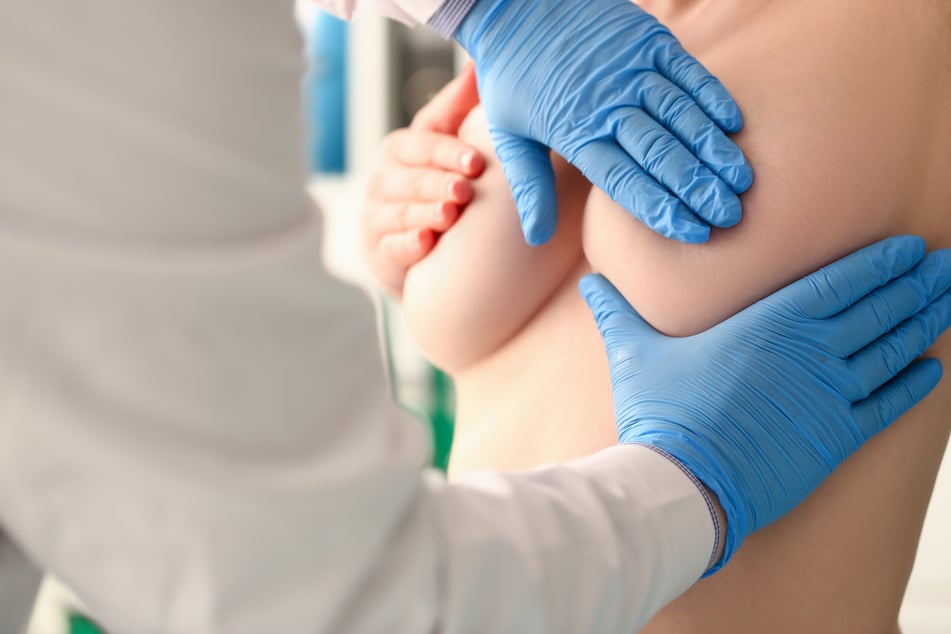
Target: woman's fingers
(398,235)
(396,253)
(402,250)
(419,148)
(420,184)
(409,216)
(415,192)
(423,185)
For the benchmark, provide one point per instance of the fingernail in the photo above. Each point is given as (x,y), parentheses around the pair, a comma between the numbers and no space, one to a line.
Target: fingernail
(439,213)
(472,162)
(460,191)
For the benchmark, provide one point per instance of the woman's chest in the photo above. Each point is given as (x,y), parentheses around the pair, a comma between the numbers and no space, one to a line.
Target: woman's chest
(855,88)
(545,397)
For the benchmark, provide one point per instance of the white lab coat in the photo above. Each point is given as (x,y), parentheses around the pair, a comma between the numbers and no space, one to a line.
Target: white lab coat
(411,12)
(195,432)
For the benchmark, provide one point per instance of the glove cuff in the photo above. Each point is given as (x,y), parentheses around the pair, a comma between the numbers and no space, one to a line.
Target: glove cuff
(449,16)
(472,27)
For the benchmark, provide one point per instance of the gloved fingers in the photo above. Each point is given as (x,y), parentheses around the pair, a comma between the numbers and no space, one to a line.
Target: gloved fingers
(664,157)
(672,61)
(527,167)
(835,287)
(423,185)
(620,325)
(636,191)
(879,362)
(896,397)
(888,306)
(676,111)
(419,148)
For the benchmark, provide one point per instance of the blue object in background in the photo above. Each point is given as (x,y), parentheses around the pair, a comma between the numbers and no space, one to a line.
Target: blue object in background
(325,93)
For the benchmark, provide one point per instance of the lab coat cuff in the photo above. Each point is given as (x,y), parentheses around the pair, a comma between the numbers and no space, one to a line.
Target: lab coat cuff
(717,529)
(675,499)
(421,11)
(347,9)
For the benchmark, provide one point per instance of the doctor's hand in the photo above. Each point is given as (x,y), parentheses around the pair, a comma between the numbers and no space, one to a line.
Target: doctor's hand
(764,406)
(609,88)
(419,184)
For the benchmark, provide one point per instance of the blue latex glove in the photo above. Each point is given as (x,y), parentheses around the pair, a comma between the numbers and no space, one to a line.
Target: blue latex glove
(764,406)
(609,88)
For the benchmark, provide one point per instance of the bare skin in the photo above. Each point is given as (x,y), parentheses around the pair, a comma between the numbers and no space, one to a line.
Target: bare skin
(848,126)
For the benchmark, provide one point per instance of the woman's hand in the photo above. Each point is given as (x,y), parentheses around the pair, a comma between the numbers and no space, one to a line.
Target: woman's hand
(420,184)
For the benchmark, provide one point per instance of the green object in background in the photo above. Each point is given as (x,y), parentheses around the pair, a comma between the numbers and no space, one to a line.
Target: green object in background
(441,417)
(79,624)
(431,397)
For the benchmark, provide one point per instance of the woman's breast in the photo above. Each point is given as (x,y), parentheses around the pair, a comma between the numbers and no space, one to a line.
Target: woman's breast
(847,109)
(482,283)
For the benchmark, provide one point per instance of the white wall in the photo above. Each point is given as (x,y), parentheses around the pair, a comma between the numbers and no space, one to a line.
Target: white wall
(927,606)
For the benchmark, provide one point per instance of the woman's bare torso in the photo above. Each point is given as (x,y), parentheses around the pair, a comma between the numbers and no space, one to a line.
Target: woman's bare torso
(848,108)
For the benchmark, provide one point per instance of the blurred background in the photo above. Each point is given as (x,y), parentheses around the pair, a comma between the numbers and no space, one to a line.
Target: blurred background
(365,79)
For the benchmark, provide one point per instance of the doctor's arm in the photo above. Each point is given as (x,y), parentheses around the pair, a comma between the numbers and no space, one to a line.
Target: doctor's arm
(190,452)
(195,431)
(244,477)
(19,583)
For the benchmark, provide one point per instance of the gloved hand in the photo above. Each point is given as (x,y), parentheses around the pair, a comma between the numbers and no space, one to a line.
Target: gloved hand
(764,406)
(610,89)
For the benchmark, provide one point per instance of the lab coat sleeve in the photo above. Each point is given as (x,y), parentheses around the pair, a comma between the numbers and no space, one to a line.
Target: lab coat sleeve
(19,584)
(195,433)
(205,450)
(411,12)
